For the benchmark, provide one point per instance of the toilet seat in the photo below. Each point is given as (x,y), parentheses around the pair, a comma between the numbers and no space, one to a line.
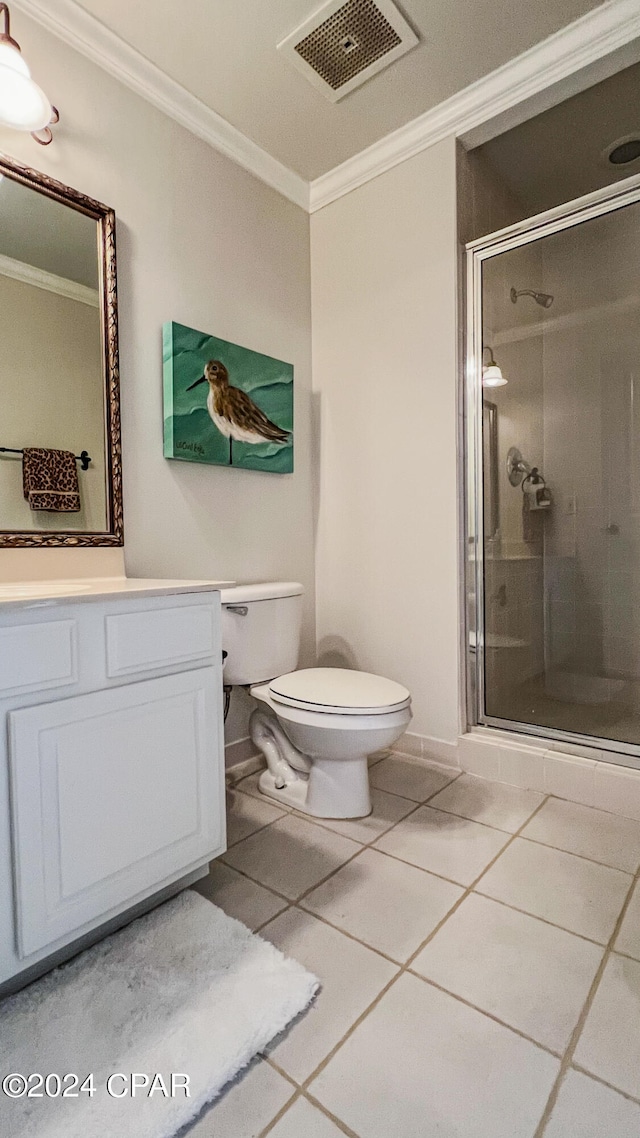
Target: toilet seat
(339,691)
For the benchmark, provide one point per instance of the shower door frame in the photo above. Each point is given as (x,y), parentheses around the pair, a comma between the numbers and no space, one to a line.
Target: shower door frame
(567,216)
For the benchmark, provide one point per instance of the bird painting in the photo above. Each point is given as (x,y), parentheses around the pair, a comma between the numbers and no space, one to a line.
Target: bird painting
(225,404)
(234,413)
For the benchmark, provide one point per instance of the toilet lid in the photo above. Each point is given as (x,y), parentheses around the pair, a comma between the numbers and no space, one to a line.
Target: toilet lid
(339,691)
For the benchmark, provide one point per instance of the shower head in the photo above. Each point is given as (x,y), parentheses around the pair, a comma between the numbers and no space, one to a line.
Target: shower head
(544,299)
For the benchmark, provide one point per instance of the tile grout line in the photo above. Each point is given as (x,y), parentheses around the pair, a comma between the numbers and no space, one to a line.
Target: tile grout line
(313,1102)
(543,920)
(297,902)
(399,963)
(293,901)
(258,830)
(364,846)
(349,936)
(258,929)
(565,1064)
(572,853)
(406,966)
(588,805)
(471,888)
(598,1079)
(396,857)
(254,881)
(428,802)
(297,1094)
(302,1088)
(627,955)
(402,970)
(490,1015)
(432,872)
(301,1093)
(332,1117)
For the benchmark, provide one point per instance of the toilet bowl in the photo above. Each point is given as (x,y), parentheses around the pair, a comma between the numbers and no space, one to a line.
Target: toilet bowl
(315,727)
(326,743)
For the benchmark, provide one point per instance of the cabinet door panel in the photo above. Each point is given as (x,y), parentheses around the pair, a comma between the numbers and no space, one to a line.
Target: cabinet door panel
(112,793)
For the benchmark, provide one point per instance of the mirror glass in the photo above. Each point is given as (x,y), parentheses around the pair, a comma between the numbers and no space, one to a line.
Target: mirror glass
(52,366)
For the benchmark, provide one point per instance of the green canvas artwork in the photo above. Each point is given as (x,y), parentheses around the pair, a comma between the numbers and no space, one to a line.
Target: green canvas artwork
(225,404)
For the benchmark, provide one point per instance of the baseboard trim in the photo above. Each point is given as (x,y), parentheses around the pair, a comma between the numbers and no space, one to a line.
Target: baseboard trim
(581,775)
(427,747)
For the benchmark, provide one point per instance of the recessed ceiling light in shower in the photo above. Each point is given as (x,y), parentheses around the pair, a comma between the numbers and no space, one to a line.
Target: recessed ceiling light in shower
(624,151)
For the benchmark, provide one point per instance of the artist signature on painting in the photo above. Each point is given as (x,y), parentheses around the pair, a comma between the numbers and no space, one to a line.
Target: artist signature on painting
(195,447)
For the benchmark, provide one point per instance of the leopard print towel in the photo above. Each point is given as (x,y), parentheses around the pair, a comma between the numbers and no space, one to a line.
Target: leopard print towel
(50,480)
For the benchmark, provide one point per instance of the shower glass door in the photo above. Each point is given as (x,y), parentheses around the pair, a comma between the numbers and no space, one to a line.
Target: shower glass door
(553,418)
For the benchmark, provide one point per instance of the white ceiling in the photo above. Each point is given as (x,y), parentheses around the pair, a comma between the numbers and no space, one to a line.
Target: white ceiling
(557,156)
(224,52)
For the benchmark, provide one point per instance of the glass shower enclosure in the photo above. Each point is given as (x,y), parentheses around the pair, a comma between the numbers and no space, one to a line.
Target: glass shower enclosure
(553,474)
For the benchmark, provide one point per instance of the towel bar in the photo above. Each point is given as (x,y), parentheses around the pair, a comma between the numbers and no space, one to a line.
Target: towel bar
(82,458)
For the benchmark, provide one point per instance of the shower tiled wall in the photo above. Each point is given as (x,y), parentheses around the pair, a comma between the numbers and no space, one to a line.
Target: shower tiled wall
(592,450)
(514,601)
(514,627)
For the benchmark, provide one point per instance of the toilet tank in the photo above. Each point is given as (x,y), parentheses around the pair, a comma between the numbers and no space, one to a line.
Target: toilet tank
(261,630)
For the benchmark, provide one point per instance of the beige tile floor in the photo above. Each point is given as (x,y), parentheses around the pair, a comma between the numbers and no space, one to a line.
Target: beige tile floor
(479,952)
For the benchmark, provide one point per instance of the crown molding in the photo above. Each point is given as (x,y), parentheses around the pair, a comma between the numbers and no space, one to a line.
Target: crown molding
(82,31)
(610,27)
(40,278)
(555,62)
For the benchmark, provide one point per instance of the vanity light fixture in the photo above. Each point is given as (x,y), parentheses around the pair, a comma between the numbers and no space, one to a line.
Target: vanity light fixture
(23,106)
(491,373)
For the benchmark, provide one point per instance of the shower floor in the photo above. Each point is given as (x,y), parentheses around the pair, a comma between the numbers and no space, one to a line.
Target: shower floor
(530,702)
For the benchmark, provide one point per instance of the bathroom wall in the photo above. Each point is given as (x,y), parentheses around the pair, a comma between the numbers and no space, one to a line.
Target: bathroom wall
(384,363)
(386,264)
(202,242)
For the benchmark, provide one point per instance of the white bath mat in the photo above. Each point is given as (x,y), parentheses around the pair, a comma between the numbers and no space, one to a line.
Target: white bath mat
(183,990)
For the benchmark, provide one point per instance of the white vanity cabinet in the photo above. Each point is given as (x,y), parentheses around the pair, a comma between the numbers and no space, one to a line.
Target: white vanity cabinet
(111,761)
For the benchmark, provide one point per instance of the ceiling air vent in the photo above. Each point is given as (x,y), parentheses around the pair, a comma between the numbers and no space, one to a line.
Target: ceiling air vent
(343,45)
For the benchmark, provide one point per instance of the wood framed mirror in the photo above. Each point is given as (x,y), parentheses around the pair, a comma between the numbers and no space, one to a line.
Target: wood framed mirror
(59,375)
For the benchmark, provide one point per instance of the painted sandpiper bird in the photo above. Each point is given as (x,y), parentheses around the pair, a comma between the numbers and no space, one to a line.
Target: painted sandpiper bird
(233,411)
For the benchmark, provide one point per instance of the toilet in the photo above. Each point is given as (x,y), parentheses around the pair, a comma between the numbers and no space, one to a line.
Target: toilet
(315,727)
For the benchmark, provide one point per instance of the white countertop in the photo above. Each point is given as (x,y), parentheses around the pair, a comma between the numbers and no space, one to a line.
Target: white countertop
(99,588)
